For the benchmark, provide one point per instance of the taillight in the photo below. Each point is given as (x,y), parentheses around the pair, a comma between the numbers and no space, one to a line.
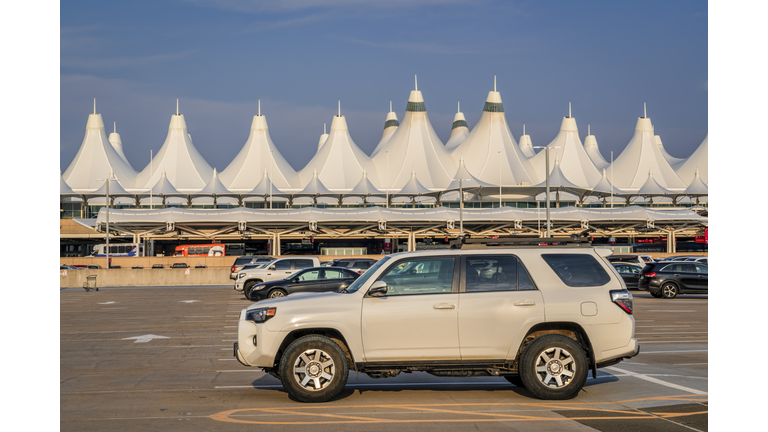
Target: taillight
(359,272)
(234,269)
(650,275)
(623,299)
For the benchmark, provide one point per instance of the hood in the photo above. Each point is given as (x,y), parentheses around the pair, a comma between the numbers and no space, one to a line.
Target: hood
(296,299)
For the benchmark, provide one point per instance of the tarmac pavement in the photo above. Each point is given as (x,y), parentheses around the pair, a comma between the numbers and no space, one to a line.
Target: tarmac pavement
(161,357)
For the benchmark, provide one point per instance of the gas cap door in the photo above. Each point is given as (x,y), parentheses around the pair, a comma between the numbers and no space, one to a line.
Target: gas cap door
(589,309)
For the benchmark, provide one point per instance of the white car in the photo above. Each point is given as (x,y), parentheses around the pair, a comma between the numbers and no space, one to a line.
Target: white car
(280,268)
(450,313)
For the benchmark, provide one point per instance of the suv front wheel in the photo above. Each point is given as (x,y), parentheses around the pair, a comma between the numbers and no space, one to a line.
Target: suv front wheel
(554,367)
(314,369)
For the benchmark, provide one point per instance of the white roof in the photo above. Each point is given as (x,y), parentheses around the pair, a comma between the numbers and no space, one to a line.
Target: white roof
(468,180)
(265,187)
(697,186)
(323,138)
(652,187)
(339,163)
(214,186)
(117,143)
(590,146)
(672,161)
(390,126)
(315,187)
(459,131)
(641,156)
(413,187)
(365,187)
(163,187)
(115,188)
(575,163)
(95,159)
(698,161)
(374,214)
(604,186)
(415,147)
(64,188)
(526,145)
(558,179)
(258,154)
(490,151)
(183,164)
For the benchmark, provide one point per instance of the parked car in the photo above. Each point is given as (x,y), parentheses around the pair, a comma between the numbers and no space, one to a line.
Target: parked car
(629,272)
(326,263)
(137,267)
(402,315)
(157,266)
(67,267)
(647,258)
(635,259)
(115,267)
(245,260)
(311,280)
(357,265)
(280,268)
(669,279)
(94,266)
(699,259)
(179,265)
(201,266)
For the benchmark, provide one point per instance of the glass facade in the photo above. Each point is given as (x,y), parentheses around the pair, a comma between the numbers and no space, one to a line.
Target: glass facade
(493,107)
(416,106)
(459,123)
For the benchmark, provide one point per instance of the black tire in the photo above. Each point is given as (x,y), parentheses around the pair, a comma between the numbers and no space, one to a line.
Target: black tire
(669,290)
(515,379)
(247,288)
(277,293)
(657,295)
(315,349)
(558,385)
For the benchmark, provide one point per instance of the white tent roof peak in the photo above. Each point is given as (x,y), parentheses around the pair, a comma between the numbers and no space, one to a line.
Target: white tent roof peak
(390,126)
(459,130)
(415,95)
(259,153)
(117,143)
(339,162)
(467,179)
(697,185)
(642,155)
(526,145)
(323,137)
(490,151)
(590,146)
(699,160)
(652,187)
(575,163)
(95,158)
(364,187)
(673,161)
(214,186)
(185,167)
(413,186)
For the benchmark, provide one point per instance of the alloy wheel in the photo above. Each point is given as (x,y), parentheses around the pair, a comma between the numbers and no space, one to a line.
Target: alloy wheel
(314,369)
(555,367)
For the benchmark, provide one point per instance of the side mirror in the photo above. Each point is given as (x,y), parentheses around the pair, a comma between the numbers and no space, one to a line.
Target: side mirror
(378,289)
(271,268)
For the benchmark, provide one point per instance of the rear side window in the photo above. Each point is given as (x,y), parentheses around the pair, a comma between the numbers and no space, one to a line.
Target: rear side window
(342,264)
(303,263)
(577,270)
(241,261)
(283,265)
(496,273)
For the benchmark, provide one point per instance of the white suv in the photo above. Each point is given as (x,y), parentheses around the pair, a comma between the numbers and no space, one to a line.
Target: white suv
(541,317)
(280,268)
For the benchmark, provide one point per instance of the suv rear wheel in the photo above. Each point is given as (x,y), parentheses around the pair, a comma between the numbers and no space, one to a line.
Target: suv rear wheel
(314,369)
(669,290)
(247,288)
(554,367)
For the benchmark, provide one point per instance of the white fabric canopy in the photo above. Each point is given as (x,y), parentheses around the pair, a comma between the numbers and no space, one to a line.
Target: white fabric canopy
(575,163)
(214,187)
(652,187)
(490,151)
(593,151)
(413,187)
(415,147)
(64,188)
(698,161)
(339,163)
(526,145)
(258,154)
(364,187)
(117,144)
(95,159)
(390,126)
(183,164)
(697,186)
(641,156)
(467,179)
(671,160)
(459,131)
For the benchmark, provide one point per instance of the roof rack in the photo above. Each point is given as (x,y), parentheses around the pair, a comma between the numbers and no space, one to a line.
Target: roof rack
(519,242)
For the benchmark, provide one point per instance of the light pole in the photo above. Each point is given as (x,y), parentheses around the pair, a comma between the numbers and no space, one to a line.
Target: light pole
(271,173)
(461,206)
(546,158)
(106,182)
(611,179)
(499,157)
(386,153)
(151,173)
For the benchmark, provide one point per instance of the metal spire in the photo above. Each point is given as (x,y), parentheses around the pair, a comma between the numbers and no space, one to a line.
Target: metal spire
(569,110)
(177,106)
(94,105)
(390,106)
(494,83)
(523,128)
(588,131)
(416,82)
(259,106)
(645,114)
(339,108)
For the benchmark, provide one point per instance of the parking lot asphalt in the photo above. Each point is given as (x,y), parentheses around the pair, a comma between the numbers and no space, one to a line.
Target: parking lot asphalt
(159,358)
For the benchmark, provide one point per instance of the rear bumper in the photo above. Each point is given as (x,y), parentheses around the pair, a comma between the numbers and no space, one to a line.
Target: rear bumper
(616,355)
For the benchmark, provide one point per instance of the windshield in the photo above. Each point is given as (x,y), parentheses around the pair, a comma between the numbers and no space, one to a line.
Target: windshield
(359,282)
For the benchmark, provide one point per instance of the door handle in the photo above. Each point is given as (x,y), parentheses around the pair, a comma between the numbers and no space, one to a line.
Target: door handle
(525,303)
(444,306)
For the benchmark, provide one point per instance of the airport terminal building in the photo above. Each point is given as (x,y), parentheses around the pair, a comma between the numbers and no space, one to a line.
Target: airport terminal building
(406,195)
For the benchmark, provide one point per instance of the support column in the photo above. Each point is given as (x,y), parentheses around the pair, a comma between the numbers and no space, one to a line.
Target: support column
(277,244)
(674,243)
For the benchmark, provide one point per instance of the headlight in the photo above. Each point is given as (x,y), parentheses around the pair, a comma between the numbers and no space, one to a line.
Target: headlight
(260,315)
(259,286)
(241,275)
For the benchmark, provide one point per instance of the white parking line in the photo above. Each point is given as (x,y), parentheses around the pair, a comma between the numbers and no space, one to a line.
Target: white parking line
(673,333)
(666,326)
(655,380)
(672,352)
(229,340)
(688,364)
(671,310)
(226,359)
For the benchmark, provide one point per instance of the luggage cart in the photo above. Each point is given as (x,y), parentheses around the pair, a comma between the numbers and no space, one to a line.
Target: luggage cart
(90,283)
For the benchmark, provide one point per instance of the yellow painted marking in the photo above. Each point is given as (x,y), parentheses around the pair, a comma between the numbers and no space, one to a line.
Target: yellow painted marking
(225,416)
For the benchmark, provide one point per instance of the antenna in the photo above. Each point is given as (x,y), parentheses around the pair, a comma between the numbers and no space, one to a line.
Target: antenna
(459,107)
(390,106)
(569,110)
(416,82)
(324,132)
(645,115)
(523,128)
(494,83)
(115,127)
(339,108)
(177,106)
(588,131)
(259,106)
(94,105)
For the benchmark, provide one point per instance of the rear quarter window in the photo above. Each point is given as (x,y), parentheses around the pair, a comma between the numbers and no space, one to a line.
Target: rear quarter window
(577,270)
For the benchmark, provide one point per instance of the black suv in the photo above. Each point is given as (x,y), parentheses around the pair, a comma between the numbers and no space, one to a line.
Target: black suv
(356,265)
(668,279)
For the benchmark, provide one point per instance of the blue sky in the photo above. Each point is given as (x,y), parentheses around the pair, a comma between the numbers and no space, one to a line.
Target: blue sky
(300,57)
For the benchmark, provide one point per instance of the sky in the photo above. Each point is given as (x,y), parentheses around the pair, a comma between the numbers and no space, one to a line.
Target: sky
(300,57)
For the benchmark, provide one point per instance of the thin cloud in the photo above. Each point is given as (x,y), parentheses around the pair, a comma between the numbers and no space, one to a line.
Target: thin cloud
(431,47)
(122,62)
(273,25)
(254,6)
